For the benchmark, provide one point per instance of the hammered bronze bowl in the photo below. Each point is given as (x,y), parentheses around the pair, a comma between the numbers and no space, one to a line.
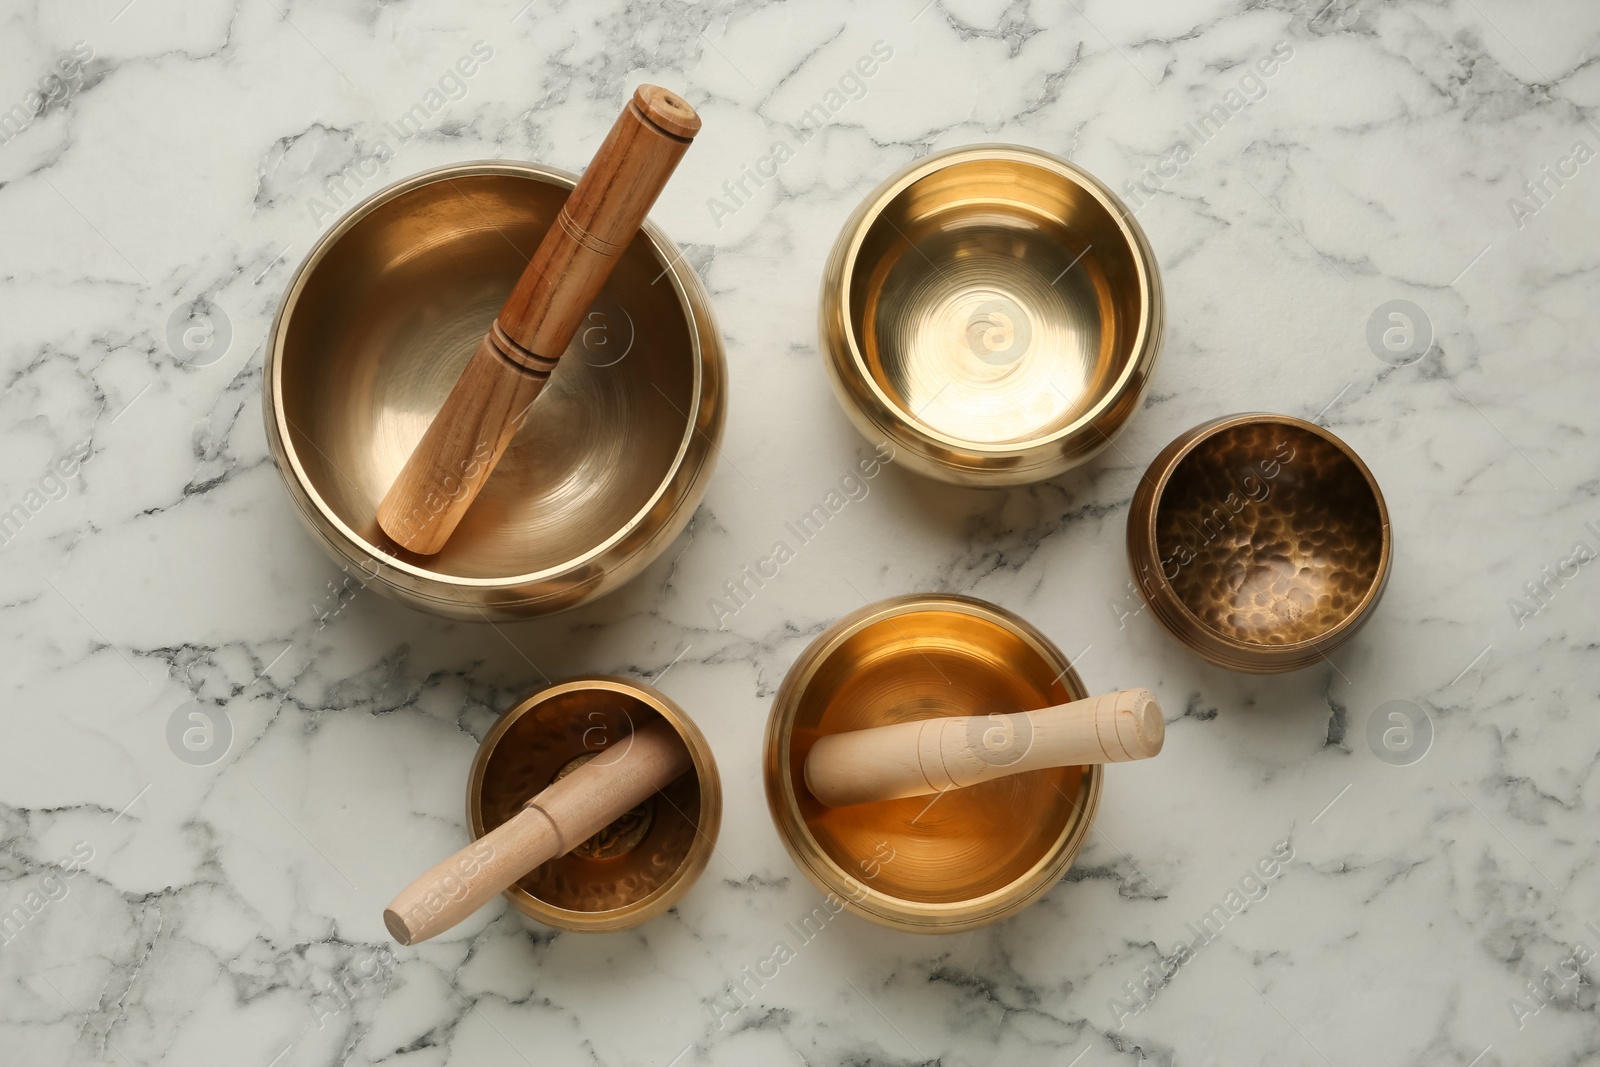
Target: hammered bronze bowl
(640,865)
(994,313)
(377,324)
(953,861)
(1260,541)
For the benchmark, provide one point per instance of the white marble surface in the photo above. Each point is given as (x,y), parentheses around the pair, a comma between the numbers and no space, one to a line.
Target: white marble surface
(209,911)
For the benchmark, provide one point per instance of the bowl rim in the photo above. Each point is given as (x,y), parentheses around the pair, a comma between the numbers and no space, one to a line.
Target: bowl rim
(1197,435)
(885,194)
(706,830)
(661,246)
(824,872)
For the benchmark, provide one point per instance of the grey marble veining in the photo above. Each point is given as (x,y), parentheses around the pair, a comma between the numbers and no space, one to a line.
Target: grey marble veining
(1447,911)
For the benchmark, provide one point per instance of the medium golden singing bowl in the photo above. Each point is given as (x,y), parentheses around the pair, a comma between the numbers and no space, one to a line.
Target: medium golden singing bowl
(375,328)
(994,312)
(640,865)
(1260,541)
(937,864)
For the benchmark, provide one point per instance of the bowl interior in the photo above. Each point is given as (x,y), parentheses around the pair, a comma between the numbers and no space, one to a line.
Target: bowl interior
(968,842)
(1274,532)
(995,301)
(385,322)
(633,858)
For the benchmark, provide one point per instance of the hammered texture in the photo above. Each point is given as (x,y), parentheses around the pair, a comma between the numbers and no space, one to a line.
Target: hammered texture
(620,836)
(1269,534)
(597,876)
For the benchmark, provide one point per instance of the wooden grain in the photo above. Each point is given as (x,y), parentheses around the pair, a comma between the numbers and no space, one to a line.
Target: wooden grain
(932,755)
(560,818)
(511,364)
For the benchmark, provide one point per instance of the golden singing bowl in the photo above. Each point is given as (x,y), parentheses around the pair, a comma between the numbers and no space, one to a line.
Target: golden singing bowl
(994,312)
(640,865)
(924,864)
(1260,541)
(376,326)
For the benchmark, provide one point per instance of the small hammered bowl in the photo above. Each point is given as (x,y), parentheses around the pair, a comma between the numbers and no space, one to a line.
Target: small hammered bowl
(994,312)
(644,862)
(1260,541)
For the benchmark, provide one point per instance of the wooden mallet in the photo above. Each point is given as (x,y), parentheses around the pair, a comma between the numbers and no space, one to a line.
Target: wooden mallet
(513,361)
(911,759)
(562,817)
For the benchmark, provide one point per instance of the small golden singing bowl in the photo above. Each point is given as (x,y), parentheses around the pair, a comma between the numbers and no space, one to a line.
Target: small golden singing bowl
(376,326)
(994,312)
(640,865)
(953,861)
(1260,541)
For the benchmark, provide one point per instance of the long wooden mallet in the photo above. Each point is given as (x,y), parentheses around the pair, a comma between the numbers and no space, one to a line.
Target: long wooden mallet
(911,759)
(513,361)
(562,817)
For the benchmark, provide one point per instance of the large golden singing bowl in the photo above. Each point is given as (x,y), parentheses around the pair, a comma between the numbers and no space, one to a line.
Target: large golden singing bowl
(949,862)
(640,865)
(1259,541)
(994,312)
(375,328)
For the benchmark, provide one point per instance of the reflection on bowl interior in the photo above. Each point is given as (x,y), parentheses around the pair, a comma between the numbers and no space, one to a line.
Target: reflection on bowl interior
(967,842)
(387,321)
(1273,531)
(995,301)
